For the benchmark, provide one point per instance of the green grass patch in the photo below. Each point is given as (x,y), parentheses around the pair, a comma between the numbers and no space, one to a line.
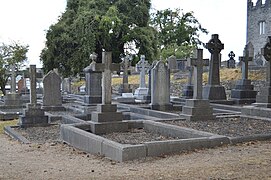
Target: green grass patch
(7,123)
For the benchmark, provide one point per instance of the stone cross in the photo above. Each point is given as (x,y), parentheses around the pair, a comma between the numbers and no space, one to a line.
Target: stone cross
(125,64)
(106,67)
(33,84)
(142,72)
(198,64)
(214,46)
(248,56)
(12,74)
(231,55)
(266,51)
(13,79)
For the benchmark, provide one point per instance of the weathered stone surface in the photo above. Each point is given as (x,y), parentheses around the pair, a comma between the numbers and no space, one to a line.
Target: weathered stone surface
(160,82)
(52,93)
(93,84)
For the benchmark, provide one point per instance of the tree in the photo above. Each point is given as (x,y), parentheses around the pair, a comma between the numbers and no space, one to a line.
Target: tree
(93,26)
(177,34)
(10,54)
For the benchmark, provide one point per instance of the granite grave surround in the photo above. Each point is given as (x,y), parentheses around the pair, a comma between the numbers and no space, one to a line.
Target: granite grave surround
(80,136)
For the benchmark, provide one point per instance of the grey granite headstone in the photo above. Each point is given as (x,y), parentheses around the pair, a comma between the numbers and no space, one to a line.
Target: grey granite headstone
(33,115)
(52,99)
(243,92)
(197,108)
(213,90)
(66,85)
(93,83)
(160,87)
(172,63)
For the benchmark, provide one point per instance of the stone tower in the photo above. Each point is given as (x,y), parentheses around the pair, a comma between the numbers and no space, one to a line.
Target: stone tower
(258,26)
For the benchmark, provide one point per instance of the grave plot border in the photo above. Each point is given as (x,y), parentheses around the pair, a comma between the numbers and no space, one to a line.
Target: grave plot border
(77,135)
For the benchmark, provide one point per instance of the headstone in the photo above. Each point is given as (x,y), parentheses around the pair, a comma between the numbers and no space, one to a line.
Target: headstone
(66,85)
(142,90)
(172,64)
(160,87)
(52,99)
(181,64)
(125,87)
(231,62)
(106,119)
(21,86)
(33,115)
(263,99)
(93,86)
(243,92)
(213,90)
(197,108)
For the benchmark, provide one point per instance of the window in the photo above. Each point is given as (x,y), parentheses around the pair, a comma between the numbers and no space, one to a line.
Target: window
(262,27)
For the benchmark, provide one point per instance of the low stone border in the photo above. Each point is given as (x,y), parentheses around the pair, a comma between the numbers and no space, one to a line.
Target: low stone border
(78,136)
(258,137)
(9,130)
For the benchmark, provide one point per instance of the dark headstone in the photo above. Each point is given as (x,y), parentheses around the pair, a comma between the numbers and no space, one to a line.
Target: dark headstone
(213,90)
(231,62)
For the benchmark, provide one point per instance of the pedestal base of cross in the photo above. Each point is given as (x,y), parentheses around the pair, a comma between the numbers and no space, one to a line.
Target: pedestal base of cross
(264,98)
(214,92)
(197,110)
(187,92)
(125,88)
(243,93)
(13,99)
(33,116)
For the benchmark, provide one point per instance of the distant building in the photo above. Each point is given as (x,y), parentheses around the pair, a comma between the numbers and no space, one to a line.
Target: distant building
(258,27)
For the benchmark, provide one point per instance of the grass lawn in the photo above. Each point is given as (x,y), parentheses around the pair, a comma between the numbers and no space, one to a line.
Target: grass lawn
(7,123)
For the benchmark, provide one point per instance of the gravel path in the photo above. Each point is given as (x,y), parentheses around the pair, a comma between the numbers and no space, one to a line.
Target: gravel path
(60,161)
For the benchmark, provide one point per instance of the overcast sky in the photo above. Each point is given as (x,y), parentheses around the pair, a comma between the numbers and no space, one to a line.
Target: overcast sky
(26,21)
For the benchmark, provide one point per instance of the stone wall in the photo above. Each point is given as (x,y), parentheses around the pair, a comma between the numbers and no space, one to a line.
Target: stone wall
(257,13)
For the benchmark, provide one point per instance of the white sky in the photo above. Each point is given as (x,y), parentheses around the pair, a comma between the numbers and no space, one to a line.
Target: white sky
(26,21)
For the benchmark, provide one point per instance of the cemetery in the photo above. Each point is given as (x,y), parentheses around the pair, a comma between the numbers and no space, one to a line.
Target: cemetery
(123,125)
(116,92)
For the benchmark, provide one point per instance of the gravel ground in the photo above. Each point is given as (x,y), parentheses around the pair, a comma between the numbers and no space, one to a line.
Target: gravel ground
(41,135)
(232,127)
(136,136)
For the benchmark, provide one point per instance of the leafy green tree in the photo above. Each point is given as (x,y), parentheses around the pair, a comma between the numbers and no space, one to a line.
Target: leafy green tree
(94,26)
(10,54)
(177,33)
